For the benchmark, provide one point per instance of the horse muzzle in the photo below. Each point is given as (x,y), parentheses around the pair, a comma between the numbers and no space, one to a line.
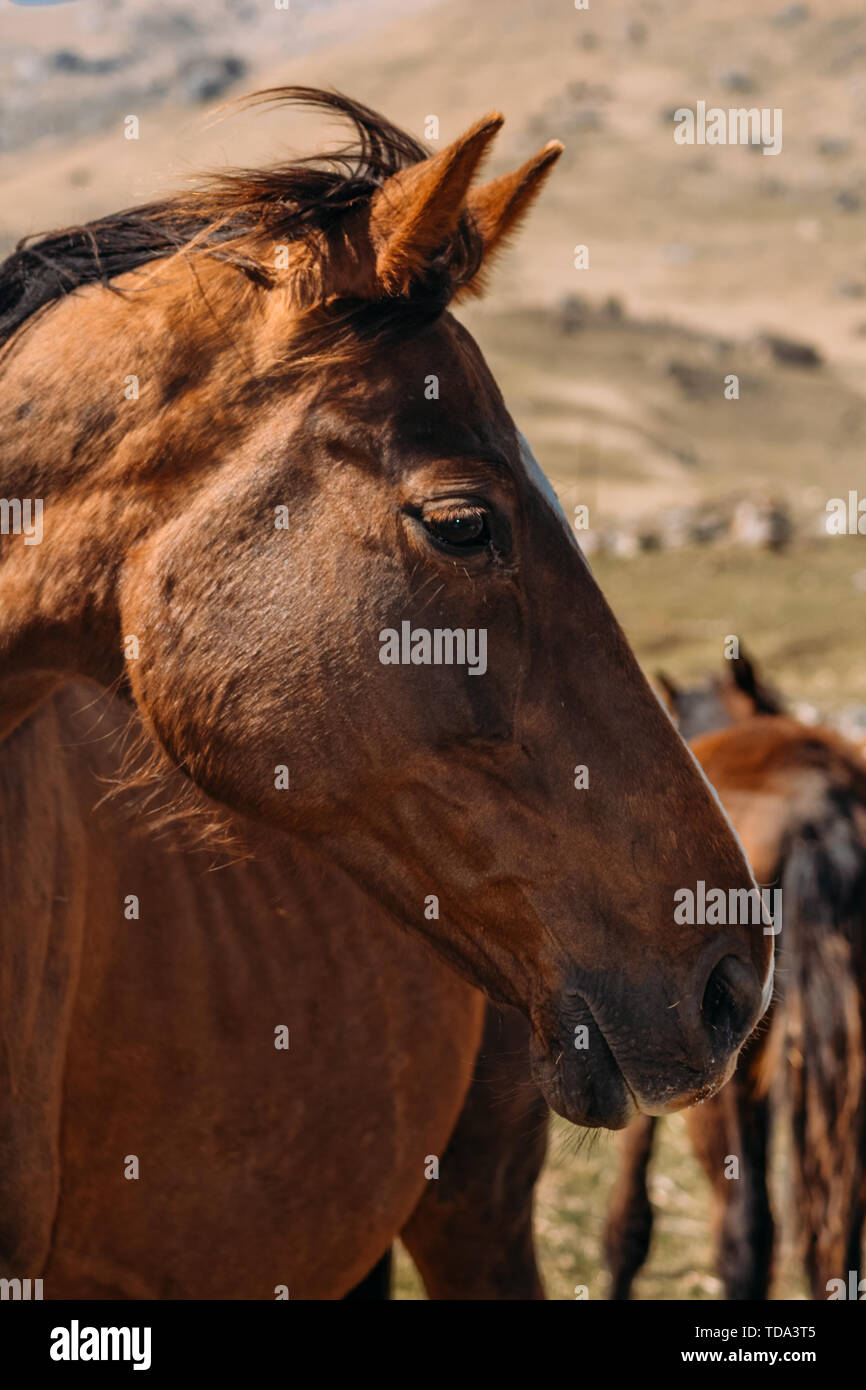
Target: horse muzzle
(599,1070)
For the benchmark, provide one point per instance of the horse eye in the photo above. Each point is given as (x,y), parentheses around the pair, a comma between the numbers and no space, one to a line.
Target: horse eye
(461,528)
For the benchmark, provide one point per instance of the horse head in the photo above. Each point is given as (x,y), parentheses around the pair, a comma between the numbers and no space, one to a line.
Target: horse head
(312,546)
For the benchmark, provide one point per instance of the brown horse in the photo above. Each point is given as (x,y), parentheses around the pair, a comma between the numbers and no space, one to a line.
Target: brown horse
(292,535)
(720,701)
(797,796)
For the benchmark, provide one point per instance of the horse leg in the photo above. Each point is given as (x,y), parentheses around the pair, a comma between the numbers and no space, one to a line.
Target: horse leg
(471,1234)
(628,1229)
(41,934)
(736,1124)
(376,1286)
(747,1233)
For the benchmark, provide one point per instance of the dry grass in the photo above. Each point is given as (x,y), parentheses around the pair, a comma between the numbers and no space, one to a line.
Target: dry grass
(571,1204)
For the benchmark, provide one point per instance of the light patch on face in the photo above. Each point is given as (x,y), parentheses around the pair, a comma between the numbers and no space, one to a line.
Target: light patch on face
(540,481)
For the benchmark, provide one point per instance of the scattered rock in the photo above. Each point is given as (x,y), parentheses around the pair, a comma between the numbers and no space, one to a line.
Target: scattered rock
(850,289)
(205,79)
(735,80)
(848,200)
(573,313)
(579,107)
(761,524)
(576,109)
(695,382)
(789,352)
(68,60)
(851,56)
(624,544)
(790,15)
(649,540)
(708,526)
(581,120)
(833,146)
(674,528)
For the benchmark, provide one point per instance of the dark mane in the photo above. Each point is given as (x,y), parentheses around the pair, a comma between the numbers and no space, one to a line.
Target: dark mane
(233,215)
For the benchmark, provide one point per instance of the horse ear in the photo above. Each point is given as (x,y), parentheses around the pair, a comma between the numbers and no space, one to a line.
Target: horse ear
(417,210)
(670,692)
(764,700)
(743,673)
(498,206)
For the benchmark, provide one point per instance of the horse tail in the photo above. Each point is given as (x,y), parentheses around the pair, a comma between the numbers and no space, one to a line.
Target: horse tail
(822,1022)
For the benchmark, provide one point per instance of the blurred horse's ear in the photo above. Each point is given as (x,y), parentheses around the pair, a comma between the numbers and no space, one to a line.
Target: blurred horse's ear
(416,210)
(669,693)
(497,207)
(763,698)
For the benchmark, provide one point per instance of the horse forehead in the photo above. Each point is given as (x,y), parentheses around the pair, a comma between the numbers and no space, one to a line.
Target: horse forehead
(426,386)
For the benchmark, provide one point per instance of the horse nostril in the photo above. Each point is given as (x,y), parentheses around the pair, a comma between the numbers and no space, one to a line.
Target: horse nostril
(731,1001)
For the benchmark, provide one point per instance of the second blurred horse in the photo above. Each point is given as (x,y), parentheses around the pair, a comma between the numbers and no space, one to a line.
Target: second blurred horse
(797,798)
